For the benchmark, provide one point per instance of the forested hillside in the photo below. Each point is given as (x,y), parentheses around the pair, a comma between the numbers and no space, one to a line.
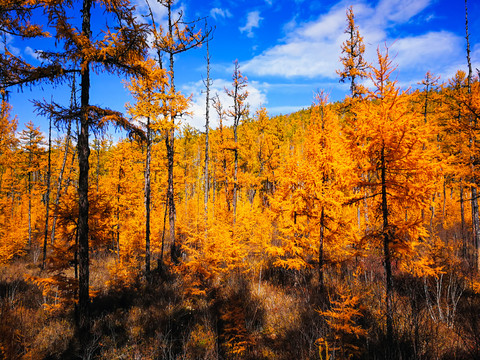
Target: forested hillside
(347,230)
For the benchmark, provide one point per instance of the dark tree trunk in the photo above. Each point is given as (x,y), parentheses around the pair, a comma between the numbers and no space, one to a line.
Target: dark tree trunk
(47,200)
(147,200)
(236,121)
(320,249)
(29,208)
(170,195)
(473,123)
(170,143)
(83,162)
(387,239)
(119,189)
(207,130)
(462,219)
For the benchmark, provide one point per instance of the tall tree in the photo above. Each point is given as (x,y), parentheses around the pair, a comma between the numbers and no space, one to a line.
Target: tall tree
(388,141)
(73,104)
(152,103)
(311,190)
(10,243)
(47,195)
(116,50)
(208,83)
(239,95)
(354,65)
(32,141)
(222,141)
(473,140)
(179,36)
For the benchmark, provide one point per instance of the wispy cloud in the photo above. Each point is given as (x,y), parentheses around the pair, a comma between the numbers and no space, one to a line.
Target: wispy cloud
(253,21)
(160,16)
(220,13)
(9,40)
(309,50)
(312,49)
(435,46)
(400,10)
(32,53)
(159,11)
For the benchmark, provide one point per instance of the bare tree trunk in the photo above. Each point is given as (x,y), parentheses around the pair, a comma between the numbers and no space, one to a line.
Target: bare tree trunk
(97,170)
(462,217)
(12,191)
(147,199)
(320,249)
(473,122)
(160,261)
(30,159)
(185,175)
(214,185)
(235,173)
(119,188)
(83,162)
(387,259)
(170,195)
(170,144)
(47,200)
(239,109)
(29,208)
(207,130)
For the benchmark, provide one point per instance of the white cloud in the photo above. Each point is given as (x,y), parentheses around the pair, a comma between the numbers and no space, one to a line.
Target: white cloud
(9,40)
(400,10)
(217,12)
(32,53)
(253,21)
(310,50)
(313,49)
(159,11)
(256,98)
(448,72)
(160,16)
(434,46)
(301,58)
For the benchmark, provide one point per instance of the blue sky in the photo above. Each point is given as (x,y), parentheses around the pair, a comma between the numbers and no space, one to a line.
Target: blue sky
(288,49)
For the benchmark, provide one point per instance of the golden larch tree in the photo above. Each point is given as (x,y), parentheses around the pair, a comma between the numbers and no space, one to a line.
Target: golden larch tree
(388,142)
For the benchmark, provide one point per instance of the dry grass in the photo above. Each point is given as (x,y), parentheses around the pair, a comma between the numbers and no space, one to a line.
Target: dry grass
(239,317)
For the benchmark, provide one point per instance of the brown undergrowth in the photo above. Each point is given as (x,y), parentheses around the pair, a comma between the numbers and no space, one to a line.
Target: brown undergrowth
(284,315)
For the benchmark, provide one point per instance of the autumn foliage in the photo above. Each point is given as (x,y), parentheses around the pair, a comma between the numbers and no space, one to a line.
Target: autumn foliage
(342,231)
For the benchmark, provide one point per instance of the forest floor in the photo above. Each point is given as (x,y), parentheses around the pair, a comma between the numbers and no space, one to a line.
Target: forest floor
(282,315)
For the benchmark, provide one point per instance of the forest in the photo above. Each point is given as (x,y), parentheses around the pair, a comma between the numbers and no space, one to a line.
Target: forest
(346,230)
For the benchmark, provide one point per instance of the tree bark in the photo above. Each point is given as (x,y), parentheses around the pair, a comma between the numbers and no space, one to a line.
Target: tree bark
(170,144)
(473,122)
(30,194)
(47,200)
(29,209)
(320,249)
(147,199)
(387,258)
(235,153)
(83,162)
(207,130)
(170,141)
(462,219)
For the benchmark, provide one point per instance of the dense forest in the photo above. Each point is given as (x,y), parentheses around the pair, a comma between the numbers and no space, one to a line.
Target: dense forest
(348,230)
